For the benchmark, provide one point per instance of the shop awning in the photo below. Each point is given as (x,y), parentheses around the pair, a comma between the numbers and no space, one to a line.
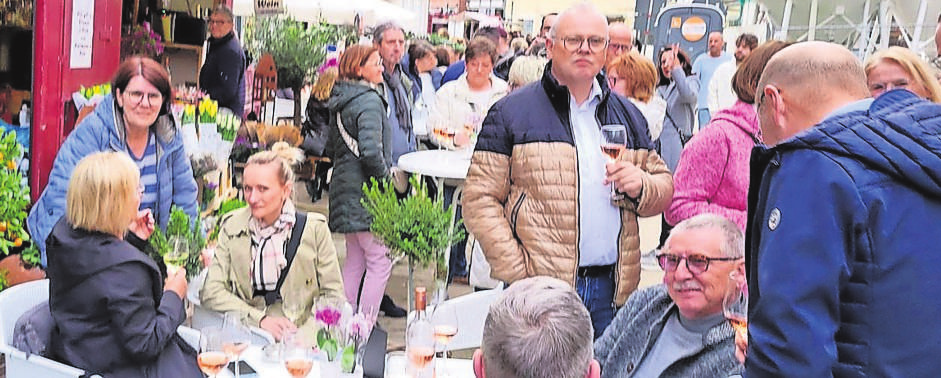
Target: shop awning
(333,11)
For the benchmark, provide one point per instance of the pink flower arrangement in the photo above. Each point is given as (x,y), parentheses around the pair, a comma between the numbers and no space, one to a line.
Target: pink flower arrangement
(329,316)
(142,40)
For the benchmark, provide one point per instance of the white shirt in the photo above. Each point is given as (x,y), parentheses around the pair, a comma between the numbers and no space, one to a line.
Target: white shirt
(599,220)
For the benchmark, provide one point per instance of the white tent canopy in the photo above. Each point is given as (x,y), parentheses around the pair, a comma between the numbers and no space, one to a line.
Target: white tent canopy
(863,25)
(336,12)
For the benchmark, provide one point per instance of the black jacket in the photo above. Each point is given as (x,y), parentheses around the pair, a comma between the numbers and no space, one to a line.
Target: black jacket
(223,73)
(111,313)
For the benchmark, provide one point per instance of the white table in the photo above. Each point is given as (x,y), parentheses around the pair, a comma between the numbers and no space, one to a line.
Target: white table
(438,164)
(395,366)
(455,368)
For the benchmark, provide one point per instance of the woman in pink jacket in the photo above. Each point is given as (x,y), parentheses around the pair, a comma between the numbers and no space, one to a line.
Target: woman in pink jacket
(712,175)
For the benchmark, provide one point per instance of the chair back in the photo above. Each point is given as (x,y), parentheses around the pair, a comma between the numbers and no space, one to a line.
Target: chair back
(471,310)
(14,302)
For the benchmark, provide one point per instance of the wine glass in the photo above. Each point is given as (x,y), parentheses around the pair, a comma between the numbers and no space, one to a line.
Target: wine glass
(444,320)
(613,142)
(735,303)
(236,338)
(295,306)
(212,357)
(175,259)
(298,358)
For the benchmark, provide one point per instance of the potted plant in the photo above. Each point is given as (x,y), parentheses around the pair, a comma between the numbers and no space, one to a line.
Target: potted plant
(415,227)
(22,261)
(181,226)
(297,48)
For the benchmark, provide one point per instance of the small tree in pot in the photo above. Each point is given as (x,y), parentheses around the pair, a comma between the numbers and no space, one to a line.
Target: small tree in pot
(415,227)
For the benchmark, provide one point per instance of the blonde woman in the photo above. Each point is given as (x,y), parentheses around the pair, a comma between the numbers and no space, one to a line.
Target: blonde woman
(525,70)
(114,313)
(899,67)
(256,246)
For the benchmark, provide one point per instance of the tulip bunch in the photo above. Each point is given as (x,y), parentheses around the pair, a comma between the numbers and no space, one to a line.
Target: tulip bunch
(227,125)
(208,110)
(97,90)
(189,114)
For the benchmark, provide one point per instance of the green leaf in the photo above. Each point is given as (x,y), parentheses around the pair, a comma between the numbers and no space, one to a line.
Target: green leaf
(348,359)
(330,348)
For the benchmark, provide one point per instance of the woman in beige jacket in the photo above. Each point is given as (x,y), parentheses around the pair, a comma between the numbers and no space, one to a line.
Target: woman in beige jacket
(251,254)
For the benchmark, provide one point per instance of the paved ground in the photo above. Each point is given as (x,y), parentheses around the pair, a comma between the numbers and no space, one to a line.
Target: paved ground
(397,287)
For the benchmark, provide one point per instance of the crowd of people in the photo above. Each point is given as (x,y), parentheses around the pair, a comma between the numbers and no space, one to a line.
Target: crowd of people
(814,174)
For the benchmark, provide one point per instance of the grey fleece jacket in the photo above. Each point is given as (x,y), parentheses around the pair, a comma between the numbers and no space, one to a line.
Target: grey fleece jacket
(635,330)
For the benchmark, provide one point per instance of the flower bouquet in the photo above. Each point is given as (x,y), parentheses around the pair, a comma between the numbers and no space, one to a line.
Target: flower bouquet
(227,124)
(341,337)
(93,95)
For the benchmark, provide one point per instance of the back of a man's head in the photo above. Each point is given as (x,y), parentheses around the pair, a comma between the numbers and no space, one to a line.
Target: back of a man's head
(539,328)
(816,72)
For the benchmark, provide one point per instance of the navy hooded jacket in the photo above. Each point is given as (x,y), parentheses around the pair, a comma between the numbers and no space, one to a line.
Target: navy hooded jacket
(843,240)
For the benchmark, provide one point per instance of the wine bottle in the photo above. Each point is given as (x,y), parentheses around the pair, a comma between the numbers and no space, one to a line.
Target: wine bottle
(420,341)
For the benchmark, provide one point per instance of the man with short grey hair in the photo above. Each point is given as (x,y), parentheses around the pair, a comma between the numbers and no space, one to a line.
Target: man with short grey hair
(620,40)
(538,194)
(539,328)
(222,76)
(677,329)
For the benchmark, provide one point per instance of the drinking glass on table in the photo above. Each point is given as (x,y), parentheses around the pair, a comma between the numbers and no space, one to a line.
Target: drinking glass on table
(298,358)
(175,259)
(444,320)
(735,304)
(294,307)
(212,357)
(613,143)
(236,338)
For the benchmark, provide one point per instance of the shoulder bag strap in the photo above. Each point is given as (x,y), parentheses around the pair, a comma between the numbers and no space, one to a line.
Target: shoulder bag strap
(351,142)
(289,252)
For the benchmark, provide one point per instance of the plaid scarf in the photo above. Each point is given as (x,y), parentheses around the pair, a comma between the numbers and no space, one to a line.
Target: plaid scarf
(268,243)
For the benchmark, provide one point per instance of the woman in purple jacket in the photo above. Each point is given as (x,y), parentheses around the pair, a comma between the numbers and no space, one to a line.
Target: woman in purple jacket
(712,175)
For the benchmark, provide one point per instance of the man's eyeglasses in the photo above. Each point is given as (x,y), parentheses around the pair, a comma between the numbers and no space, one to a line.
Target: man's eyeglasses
(137,97)
(617,47)
(573,44)
(695,264)
(218,22)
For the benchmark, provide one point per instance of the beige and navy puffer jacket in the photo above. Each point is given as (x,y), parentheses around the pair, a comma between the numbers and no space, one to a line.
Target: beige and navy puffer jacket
(521,194)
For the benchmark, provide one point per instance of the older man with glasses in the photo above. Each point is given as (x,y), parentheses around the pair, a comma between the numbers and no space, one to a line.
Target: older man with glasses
(223,74)
(621,40)
(537,194)
(677,329)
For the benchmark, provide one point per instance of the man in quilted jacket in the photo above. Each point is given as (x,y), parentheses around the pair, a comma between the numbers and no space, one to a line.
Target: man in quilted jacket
(538,195)
(842,233)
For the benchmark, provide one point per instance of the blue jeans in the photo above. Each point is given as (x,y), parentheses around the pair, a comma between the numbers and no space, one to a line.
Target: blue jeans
(597,294)
(704,117)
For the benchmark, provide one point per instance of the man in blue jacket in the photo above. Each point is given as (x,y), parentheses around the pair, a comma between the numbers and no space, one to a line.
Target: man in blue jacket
(843,212)
(223,74)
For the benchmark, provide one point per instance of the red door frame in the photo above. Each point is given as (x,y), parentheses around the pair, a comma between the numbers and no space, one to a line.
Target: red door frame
(54,81)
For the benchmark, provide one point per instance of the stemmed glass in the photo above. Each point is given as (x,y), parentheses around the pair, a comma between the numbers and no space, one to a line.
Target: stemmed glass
(212,357)
(298,358)
(175,259)
(613,142)
(294,306)
(735,304)
(236,338)
(444,320)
